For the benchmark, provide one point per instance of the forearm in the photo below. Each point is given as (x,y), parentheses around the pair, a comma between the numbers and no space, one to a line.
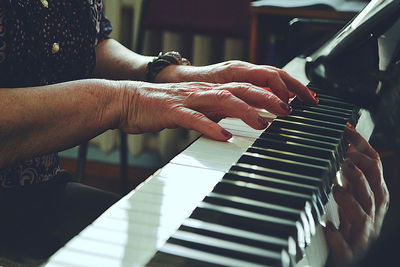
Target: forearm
(47,119)
(116,62)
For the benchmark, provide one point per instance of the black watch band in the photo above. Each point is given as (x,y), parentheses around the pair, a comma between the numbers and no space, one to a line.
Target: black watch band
(161,61)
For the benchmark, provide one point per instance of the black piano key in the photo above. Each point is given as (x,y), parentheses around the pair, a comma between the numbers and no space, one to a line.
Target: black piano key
(253,206)
(238,236)
(291,130)
(249,221)
(279,213)
(307,127)
(297,104)
(273,182)
(292,147)
(262,193)
(339,143)
(335,103)
(290,156)
(347,115)
(248,169)
(225,248)
(162,259)
(283,164)
(324,124)
(300,140)
(319,116)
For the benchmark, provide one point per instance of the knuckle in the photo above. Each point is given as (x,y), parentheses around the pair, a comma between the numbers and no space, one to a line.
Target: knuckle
(223,95)
(232,64)
(196,117)
(274,74)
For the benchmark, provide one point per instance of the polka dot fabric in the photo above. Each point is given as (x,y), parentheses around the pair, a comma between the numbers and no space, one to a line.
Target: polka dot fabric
(45,42)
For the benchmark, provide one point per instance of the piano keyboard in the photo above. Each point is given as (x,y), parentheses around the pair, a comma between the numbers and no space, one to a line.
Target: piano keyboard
(257,200)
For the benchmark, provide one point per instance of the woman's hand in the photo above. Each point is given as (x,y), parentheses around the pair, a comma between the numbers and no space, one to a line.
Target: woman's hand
(194,105)
(280,83)
(363,201)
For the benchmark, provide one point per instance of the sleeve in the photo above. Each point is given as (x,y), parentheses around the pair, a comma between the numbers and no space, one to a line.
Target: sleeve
(101,23)
(105,27)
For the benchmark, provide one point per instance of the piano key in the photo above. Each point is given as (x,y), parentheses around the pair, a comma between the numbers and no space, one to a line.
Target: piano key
(275,183)
(218,228)
(318,116)
(210,258)
(197,155)
(274,128)
(321,123)
(283,164)
(335,103)
(250,170)
(252,222)
(321,109)
(313,194)
(68,257)
(256,207)
(338,144)
(225,248)
(294,147)
(162,259)
(306,127)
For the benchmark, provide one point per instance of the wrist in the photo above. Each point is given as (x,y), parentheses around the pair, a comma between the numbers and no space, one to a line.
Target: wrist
(163,68)
(111,104)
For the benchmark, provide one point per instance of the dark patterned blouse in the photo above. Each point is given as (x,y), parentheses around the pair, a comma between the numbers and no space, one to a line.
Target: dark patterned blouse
(45,42)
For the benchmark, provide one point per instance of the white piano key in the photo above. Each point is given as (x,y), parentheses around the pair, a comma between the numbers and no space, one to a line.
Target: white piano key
(239,128)
(132,238)
(198,154)
(70,258)
(133,252)
(129,227)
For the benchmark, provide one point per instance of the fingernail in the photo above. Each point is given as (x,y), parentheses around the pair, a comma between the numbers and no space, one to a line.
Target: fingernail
(286,107)
(263,122)
(314,94)
(350,127)
(331,226)
(226,133)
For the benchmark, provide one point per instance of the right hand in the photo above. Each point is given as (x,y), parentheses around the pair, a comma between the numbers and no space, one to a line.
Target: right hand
(363,202)
(195,105)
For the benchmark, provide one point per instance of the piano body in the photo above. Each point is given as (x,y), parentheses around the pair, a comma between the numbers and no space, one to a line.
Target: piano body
(258,200)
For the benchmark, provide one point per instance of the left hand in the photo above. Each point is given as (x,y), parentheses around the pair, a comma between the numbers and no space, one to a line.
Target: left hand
(280,83)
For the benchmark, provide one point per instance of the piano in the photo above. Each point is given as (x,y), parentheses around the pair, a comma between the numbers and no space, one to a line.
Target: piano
(260,199)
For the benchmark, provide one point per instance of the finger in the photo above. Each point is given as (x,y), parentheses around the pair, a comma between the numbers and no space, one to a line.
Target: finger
(373,172)
(359,143)
(360,187)
(295,86)
(277,85)
(197,121)
(345,225)
(222,103)
(352,210)
(258,97)
(340,249)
